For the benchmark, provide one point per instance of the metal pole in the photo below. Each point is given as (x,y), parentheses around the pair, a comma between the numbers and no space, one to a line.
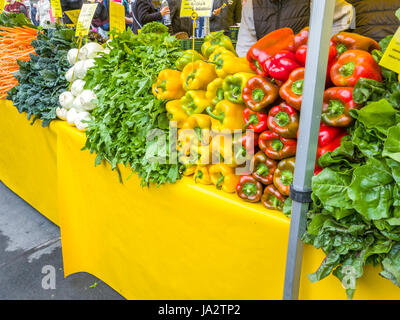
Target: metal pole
(314,86)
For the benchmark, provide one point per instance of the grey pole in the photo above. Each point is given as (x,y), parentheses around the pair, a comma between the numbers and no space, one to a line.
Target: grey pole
(310,115)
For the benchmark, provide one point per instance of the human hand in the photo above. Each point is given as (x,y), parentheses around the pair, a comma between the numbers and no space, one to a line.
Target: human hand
(216,12)
(165,11)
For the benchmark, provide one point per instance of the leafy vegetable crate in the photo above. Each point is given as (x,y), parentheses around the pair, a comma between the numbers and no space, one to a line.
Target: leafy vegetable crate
(180,241)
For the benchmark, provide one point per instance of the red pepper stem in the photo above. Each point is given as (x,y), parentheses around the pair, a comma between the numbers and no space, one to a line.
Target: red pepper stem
(286,177)
(277,145)
(253,119)
(297,87)
(220,117)
(258,95)
(347,69)
(262,170)
(335,108)
(282,119)
(249,189)
(274,201)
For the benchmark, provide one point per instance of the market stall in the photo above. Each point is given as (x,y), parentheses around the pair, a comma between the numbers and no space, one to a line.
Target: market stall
(153,228)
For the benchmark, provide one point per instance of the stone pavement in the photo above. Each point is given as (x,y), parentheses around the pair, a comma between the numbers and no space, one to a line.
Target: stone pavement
(30,256)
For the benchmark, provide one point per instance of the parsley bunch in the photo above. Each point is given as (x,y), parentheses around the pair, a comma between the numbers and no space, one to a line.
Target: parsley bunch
(127,111)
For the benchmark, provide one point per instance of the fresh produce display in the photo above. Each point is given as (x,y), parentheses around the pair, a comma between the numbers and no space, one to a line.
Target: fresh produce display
(15,44)
(230,112)
(41,79)
(354,217)
(78,102)
(127,113)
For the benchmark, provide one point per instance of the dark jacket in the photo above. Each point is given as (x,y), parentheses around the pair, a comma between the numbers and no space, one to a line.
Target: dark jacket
(144,11)
(376,18)
(270,15)
(179,24)
(229,16)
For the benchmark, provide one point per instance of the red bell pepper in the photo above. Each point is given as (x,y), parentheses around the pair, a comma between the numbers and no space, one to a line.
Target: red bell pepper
(267,46)
(256,121)
(264,168)
(249,143)
(301,55)
(249,189)
(328,140)
(292,89)
(300,39)
(353,65)
(275,146)
(338,101)
(344,41)
(284,120)
(259,93)
(280,65)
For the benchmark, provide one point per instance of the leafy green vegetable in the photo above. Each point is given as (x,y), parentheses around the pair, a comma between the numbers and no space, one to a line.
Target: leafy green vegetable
(154,27)
(129,123)
(15,20)
(368,90)
(41,79)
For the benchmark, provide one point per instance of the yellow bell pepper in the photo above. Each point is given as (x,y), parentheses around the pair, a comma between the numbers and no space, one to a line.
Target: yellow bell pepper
(189,169)
(213,41)
(215,92)
(168,85)
(226,115)
(195,101)
(176,113)
(234,84)
(228,64)
(202,175)
(223,177)
(201,125)
(223,150)
(197,75)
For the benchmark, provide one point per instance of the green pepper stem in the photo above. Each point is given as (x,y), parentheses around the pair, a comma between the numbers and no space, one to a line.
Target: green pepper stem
(241,153)
(220,94)
(275,202)
(262,170)
(236,91)
(286,177)
(347,69)
(277,145)
(198,132)
(340,48)
(258,95)
(199,175)
(253,119)
(162,85)
(219,181)
(220,117)
(297,87)
(191,76)
(249,189)
(282,119)
(335,108)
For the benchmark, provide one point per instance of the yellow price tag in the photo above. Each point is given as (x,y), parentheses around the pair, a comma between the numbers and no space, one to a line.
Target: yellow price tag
(117,17)
(202,7)
(85,19)
(391,57)
(56,8)
(73,15)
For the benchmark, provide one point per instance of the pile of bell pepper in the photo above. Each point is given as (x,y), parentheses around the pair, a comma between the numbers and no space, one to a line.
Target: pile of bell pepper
(260,95)
(204,97)
(273,99)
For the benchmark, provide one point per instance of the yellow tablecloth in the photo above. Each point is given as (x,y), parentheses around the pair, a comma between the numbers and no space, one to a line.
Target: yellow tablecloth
(28,160)
(181,241)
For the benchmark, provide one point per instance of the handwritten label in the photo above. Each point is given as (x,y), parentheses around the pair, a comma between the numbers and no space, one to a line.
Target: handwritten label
(202,7)
(56,8)
(117,17)
(85,19)
(391,57)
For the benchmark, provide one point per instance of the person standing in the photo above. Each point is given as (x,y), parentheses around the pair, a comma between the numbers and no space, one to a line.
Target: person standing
(16,7)
(226,13)
(376,18)
(260,17)
(184,24)
(43,12)
(144,12)
(33,14)
(128,13)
